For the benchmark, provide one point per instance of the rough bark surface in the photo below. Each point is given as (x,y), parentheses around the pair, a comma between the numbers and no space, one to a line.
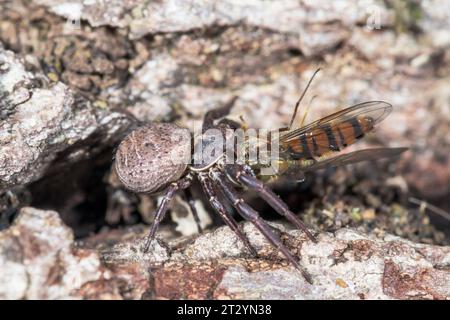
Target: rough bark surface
(39,259)
(42,124)
(70,69)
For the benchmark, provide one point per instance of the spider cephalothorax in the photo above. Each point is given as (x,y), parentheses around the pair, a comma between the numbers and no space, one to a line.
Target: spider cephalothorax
(157,157)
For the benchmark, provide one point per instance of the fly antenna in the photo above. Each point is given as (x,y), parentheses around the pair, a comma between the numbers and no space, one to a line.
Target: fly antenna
(301,97)
(308,107)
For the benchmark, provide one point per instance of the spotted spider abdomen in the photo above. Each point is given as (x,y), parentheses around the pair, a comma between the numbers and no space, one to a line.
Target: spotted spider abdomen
(153,156)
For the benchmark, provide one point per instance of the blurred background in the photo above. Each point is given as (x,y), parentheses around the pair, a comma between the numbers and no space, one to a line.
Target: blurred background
(72,68)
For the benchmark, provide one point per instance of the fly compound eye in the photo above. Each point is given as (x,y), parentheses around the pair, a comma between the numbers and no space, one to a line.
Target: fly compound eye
(153,156)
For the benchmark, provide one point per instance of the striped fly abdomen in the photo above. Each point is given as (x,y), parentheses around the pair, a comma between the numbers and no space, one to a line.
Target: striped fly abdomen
(328,138)
(333,133)
(347,132)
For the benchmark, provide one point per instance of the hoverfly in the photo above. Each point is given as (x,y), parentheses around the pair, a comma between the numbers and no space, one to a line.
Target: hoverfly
(318,145)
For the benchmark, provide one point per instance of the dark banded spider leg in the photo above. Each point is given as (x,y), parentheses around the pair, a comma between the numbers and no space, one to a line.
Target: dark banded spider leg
(191,202)
(250,214)
(213,198)
(210,116)
(164,206)
(246,177)
(229,123)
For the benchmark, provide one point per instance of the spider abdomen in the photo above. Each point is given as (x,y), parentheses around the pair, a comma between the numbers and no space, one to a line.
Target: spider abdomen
(153,156)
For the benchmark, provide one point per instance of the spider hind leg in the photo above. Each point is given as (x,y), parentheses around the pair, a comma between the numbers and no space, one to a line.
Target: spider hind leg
(247,178)
(250,214)
(215,201)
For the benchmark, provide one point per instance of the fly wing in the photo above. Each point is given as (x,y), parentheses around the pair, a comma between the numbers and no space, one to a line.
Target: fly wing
(356,156)
(295,170)
(378,110)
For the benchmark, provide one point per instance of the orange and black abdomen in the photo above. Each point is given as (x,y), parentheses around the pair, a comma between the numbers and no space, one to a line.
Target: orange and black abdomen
(331,137)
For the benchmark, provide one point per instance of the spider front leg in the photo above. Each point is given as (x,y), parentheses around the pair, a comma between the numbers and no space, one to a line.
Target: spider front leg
(164,206)
(210,116)
(247,178)
(215,202)
(191,202)
(250,214)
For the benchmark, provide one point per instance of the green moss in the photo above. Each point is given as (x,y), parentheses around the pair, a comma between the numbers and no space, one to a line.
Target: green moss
(408,13)
(355,214)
